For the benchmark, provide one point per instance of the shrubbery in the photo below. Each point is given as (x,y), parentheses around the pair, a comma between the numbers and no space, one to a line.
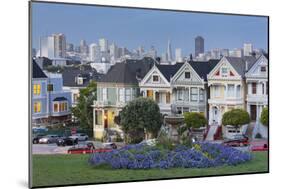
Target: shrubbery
(140,156)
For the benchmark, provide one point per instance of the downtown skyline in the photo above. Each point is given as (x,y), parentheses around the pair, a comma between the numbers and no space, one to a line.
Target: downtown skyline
(132,28)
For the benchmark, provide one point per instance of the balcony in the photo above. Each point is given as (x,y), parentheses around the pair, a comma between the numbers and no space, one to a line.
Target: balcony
(107,103)
(228,101)
(257,98)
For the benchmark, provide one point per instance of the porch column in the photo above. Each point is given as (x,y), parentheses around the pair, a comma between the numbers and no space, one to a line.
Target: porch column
(189,91)
(226,91)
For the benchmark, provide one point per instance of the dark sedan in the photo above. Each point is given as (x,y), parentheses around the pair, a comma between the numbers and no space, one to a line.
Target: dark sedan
(66,141)
(238,140)
(36,138)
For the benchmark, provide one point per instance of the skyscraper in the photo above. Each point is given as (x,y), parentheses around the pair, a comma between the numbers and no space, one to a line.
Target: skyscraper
(94,52)
(199,45)
(248,49)
(178,55)
(169,51)
(103,43)
(84,49)
(59,45)
(53,46)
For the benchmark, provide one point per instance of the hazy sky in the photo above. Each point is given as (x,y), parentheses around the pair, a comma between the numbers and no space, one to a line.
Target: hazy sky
(134,27)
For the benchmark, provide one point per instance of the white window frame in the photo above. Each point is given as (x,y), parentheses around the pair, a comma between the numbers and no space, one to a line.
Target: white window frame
(128,95)
(121,97)
(222,73)
(179,95)
(230,93)
(104,94)
(194,96)
(216,91)
(157,77)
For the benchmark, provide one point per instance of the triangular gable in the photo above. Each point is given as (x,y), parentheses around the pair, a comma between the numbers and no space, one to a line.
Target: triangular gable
(147,80)
(180,74)
(254,70)
(216,72)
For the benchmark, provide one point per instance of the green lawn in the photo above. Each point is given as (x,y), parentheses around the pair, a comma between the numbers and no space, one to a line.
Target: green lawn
(74,169)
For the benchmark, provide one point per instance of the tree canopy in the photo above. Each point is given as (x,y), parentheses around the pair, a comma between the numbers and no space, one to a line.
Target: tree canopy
(83,110)
(236,118)
(194,119)
(139,116)
(264,116)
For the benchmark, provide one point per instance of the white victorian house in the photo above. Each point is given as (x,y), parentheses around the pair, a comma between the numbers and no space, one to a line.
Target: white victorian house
(257,93)
(156,85)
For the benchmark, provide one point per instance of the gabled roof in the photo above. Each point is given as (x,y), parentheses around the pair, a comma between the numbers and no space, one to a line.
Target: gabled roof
(128,71)
(239,64)
(203,68)
(70,73)
(37,72)
(169,70)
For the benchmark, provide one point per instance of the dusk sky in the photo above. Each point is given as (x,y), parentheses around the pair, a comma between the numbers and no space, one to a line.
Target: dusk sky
(134,27)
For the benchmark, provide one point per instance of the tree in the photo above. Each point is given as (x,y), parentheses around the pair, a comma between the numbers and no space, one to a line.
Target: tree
(264,116)
(236,118)
(140,116)
(192,120)
(83,110)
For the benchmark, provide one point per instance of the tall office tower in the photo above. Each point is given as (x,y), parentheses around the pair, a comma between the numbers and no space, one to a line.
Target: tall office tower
(84,49)
(248,49)
(69,47)
(94,52)
(169,51)
(59,45)
(178,55)
(103,43)
(113,51)
(199,45)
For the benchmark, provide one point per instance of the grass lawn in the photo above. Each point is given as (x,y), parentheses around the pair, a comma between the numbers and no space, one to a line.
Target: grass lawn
(74,169)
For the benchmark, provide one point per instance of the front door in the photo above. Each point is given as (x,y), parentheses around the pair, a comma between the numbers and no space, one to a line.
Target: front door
(105,119)
(253,112)
(215,115)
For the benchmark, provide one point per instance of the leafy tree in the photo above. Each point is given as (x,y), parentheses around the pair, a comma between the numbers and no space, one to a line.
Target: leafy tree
(140,116)
(264,116)
(194,120)
(236,118)
(83,110)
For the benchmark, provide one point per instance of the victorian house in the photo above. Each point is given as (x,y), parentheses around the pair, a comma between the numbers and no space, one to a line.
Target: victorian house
(114,90)
(50,103)
(227,88)
(157,85)
(257,93)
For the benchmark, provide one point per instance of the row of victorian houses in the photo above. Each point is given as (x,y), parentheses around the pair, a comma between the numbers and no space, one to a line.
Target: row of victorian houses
(211,87)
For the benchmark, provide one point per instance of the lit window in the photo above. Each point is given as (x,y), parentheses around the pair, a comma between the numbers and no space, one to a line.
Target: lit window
(155,78)
(187,75)
(36,89)
(149,93)
(56,107)
(37,107)
(230,90)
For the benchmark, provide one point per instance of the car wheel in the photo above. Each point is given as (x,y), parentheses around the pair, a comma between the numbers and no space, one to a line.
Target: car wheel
(86,138)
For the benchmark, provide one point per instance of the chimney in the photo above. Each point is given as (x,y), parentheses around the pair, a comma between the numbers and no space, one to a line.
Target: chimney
(246,66)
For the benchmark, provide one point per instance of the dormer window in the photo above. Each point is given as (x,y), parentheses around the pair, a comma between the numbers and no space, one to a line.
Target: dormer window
(187,75)
(155,78)
(263,69)
(79,80)
(224,72)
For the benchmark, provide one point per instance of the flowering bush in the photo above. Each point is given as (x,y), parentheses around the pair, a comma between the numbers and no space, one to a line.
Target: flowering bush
(141,156)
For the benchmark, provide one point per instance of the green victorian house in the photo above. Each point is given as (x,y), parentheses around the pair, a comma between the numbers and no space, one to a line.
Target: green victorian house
(114,90)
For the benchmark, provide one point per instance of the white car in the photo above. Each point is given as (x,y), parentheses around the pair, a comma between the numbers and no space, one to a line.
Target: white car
(79,136)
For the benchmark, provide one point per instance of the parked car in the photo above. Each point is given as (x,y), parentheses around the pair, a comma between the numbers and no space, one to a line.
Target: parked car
(238,140)
(149,142)
(48,139)
(36,138)
(109,145)
(90,148)
(66,141)
(80,136)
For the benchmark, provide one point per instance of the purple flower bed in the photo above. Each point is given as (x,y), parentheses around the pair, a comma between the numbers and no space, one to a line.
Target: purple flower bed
(140,156)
